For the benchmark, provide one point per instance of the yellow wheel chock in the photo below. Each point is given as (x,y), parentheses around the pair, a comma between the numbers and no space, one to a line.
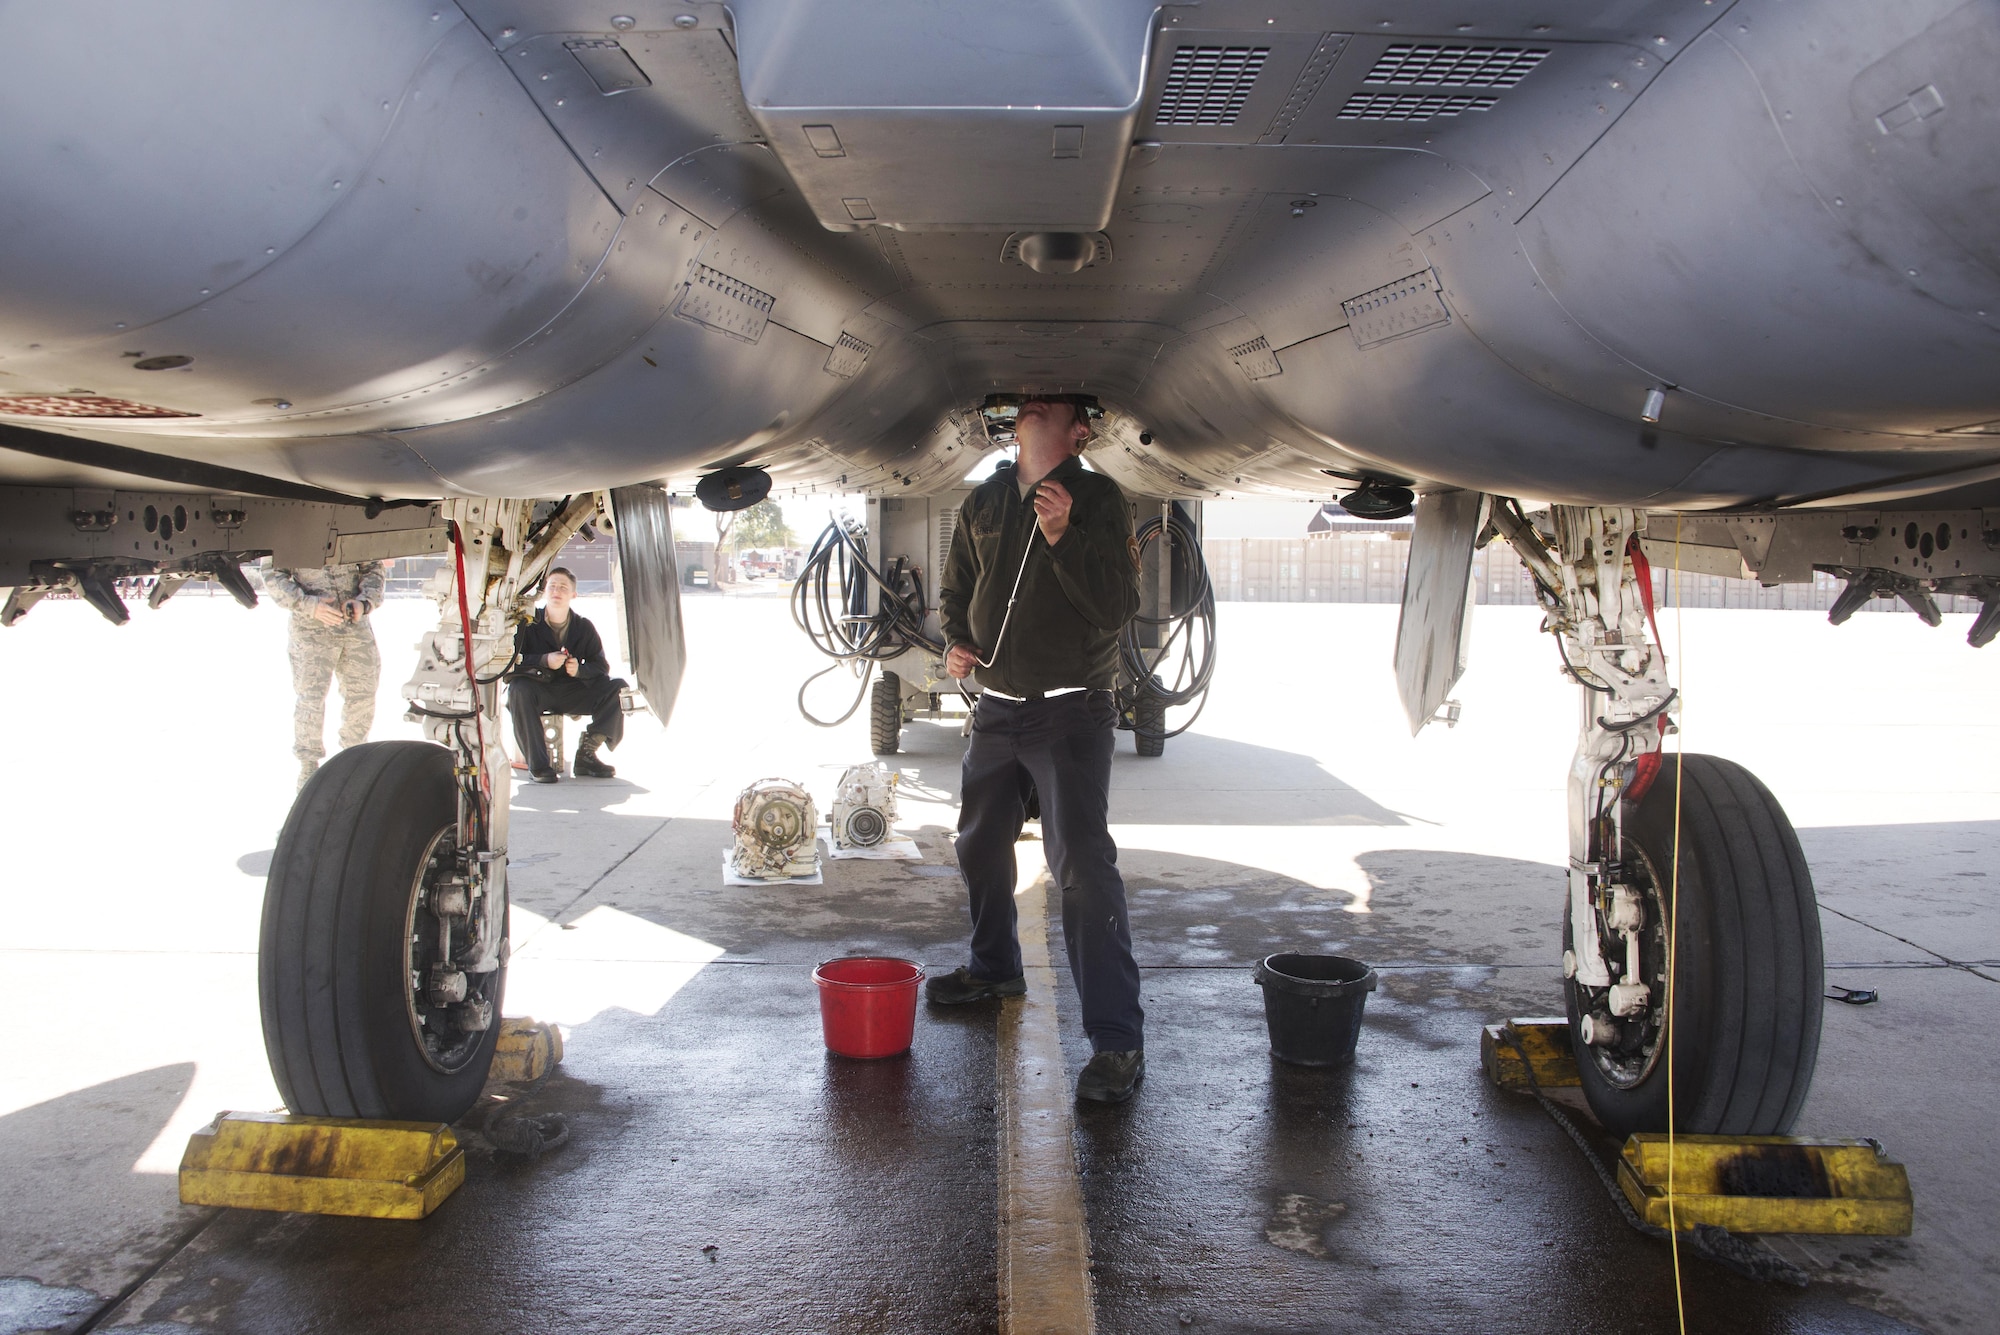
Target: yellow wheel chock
(1767,1184)
(1746,1184)
(322,1165)
(526,1051)
(1544,1039)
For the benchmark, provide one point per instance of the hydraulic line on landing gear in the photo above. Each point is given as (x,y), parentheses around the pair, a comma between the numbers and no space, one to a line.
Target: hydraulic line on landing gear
(1186,635)
(830,604)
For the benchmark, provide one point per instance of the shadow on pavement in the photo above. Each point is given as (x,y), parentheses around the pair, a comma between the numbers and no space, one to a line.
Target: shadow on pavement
(69,1184)
(1200,780)
(1403,1193)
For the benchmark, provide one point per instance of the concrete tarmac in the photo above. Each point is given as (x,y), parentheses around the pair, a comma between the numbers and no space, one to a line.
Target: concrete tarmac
(724,1173)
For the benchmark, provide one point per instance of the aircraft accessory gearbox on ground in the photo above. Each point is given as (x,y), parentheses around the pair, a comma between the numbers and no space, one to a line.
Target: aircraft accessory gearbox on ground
(1719,283)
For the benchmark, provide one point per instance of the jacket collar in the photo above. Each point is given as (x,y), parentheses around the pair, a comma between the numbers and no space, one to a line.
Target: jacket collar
(1062,472)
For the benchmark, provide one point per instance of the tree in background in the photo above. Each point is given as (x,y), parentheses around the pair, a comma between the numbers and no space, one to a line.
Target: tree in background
(762,527)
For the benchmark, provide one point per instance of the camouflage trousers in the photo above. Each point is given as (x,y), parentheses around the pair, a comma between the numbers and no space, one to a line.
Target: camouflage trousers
(323,654)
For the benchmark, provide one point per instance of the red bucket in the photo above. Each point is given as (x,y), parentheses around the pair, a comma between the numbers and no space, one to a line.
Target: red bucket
(868,1004)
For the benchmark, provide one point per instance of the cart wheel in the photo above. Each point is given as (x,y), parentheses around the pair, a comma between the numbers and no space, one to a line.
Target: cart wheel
(885,718)
(1149,726)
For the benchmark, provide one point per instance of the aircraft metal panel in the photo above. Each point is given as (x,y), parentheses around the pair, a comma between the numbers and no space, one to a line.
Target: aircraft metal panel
(936,133)
(1520,146)
(468,238)
(647,585)
(1394,310)
(815,294)
(1291,262)
(85,524)
(679,400)
(1699,153)
(725,303)
(683,95)
(1224,86)
(957,170)
(609,65)
(127,127)
(1435,629)
(1919,194)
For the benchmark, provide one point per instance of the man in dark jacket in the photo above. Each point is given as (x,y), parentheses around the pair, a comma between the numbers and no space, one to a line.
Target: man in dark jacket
(1039,582)
(563,671)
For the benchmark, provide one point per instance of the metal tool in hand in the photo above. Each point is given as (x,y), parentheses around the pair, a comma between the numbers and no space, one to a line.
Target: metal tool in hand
(1014,594)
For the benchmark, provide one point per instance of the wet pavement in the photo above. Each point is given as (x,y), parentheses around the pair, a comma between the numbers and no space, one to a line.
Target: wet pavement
(725,1173)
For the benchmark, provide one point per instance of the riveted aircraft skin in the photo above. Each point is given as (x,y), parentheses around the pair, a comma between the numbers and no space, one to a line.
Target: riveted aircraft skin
(419,250)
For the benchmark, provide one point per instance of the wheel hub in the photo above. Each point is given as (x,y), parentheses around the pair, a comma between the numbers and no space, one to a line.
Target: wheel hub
(449,1009)
(1622,1025)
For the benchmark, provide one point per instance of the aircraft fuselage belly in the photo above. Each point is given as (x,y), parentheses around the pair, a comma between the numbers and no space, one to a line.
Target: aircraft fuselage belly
(406,250)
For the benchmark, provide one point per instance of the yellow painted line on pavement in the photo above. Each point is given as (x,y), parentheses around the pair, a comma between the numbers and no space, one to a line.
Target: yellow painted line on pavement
(1044,1247)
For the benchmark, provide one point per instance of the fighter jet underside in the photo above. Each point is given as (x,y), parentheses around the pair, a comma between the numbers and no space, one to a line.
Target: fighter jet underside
(1717,283)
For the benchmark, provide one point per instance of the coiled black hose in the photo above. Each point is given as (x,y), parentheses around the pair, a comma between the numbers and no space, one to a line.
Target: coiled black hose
(830,604)
(1187,639)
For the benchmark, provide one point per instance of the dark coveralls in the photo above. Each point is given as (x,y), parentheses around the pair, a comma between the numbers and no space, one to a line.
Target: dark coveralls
(1074,599)
(534,690)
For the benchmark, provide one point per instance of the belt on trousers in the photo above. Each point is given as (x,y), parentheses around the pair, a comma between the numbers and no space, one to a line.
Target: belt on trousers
(1034,695)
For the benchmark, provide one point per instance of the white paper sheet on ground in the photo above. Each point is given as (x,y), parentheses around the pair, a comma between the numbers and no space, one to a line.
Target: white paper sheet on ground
(896,848)
(729,876)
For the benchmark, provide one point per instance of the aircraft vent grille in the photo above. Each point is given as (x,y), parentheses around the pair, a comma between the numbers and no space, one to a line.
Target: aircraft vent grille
(1257,359)
(847,356)
(1438,70)
(1408,64)
(80,405)
(1406,306)
(1209,85)
(725,304)
(1410,107)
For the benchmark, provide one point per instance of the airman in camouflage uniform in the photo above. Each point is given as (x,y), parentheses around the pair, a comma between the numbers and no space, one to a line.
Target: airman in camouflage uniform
(331,640)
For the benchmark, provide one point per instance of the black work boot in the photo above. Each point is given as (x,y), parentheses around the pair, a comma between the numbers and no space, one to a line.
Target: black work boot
(587,765)
(959,987)
(1112,1076)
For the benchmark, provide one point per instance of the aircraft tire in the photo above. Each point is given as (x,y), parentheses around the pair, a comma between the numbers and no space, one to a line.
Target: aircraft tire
(1149,726)
(885,715)
(335,952)
(1746,1006)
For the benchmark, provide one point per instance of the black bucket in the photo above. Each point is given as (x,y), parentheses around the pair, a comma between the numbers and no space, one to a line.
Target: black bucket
(1312,1004)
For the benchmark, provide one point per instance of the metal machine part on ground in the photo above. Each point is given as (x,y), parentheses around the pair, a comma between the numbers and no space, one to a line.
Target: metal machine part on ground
(776,825)
(864,806)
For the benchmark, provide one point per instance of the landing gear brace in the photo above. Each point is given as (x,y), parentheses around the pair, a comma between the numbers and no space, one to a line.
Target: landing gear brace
(1744,999)
(384,950)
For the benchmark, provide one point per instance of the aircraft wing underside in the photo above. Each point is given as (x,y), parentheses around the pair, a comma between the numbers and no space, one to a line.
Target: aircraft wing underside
(1666,254)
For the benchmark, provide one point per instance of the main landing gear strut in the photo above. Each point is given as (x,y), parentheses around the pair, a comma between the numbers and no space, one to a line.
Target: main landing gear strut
(1691,836)
(383,957)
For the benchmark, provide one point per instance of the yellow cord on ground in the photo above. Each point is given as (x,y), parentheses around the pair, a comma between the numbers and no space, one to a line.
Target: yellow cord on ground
(1673,924)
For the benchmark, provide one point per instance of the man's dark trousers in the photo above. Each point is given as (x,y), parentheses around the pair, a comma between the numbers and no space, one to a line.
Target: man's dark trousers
(529,699)
(1062,746)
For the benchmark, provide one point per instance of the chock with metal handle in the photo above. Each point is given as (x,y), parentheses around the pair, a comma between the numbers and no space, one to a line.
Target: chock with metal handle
(1545,1040)
(1767,1184)
(322,1165)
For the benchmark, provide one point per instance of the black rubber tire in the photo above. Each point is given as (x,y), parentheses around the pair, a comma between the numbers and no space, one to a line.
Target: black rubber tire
(1746,1023)
(332,950)
(1149,726)
(885,715)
